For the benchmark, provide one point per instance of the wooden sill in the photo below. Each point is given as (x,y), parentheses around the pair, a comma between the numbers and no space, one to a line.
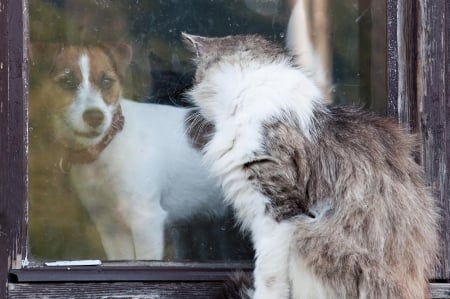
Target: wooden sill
(136,280)
(125,271)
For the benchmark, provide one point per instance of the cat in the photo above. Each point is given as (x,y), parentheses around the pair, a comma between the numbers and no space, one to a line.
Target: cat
(332,196)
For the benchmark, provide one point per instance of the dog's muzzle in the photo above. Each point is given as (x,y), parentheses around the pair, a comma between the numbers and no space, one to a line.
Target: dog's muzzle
(94,117)
(91,153)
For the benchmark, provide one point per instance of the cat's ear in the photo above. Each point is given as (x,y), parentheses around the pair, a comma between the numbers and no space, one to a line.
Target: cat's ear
(197,43)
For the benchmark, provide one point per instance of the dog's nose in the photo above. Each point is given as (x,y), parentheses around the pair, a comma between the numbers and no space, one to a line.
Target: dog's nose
(93,117)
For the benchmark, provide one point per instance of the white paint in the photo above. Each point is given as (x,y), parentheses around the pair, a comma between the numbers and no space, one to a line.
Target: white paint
(73,263)
(25,261)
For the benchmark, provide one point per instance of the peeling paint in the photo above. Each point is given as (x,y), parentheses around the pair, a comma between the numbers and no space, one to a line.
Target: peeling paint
(17,263)
(74,263)
(25,263)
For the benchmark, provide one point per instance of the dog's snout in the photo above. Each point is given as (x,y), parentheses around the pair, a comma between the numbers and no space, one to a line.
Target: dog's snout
(93,117)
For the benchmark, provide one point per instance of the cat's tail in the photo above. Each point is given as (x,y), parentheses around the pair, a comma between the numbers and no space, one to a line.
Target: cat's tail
(238,286)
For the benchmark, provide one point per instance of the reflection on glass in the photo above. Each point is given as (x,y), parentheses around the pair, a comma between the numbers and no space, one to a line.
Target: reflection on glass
(117,179)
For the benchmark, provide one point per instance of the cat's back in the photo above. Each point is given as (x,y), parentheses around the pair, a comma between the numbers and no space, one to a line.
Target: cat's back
(365,131)
(361,141)
(379,211)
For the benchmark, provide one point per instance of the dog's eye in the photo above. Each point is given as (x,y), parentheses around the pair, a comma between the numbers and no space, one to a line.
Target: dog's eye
(69,83)
(106,83)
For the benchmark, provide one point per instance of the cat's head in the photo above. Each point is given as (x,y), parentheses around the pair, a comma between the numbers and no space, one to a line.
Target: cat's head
(242,49)
(223,65)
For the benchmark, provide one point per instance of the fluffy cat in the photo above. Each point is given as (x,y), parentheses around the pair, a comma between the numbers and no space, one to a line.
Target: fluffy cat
(332,197)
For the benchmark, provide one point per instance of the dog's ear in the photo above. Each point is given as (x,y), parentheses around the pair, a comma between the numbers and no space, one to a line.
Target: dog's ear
(42,55)
(122,54)
(42,59)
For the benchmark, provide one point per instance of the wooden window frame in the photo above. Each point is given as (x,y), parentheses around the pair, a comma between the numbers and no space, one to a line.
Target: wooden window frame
(418,68)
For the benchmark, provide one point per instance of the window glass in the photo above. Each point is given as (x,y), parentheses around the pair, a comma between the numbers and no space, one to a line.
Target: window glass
(111,173)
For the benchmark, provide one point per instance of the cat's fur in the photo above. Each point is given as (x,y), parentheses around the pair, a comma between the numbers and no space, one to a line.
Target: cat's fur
(336,205)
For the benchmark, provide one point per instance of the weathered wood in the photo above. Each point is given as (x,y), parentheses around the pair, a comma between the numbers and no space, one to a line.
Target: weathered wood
(4,235)
(402,56)
(137,290)
(123,271)
(433,94)
(13,159)
(418,92)
(440,290)
(392,57)
(141,290)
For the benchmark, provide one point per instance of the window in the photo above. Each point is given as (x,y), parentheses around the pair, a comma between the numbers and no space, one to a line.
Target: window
(415,95)
(84,209)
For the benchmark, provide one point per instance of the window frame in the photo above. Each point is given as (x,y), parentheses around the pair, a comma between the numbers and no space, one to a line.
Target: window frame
(418,66)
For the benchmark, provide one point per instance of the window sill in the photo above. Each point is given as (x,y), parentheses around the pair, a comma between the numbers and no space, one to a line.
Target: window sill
(141,290)
(140,280)
(130,271)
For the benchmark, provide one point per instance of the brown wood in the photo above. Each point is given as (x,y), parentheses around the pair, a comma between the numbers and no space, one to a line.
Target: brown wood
(123,271)
(141,290)
(4,235)
(418,92)
(433,95)
(13,159)
(136,290)
(440,290)
(392,57)
(402,56)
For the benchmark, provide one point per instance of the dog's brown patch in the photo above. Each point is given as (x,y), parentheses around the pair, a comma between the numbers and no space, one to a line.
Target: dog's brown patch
(104,66)
(104,75)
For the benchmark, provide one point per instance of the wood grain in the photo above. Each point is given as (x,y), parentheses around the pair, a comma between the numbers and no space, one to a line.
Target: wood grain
(140,290)
(137,290)
(402,56)
(418,93)
(4,235)
(433,83)
(13,159)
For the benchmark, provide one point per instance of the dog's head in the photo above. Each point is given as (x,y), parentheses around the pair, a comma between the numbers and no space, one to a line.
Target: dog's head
(84,91)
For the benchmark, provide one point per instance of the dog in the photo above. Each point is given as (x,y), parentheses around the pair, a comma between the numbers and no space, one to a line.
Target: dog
(131,164)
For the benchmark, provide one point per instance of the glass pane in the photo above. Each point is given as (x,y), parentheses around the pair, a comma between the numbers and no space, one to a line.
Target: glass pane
(111,173)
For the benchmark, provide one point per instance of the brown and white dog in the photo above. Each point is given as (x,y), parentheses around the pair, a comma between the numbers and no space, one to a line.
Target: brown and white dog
(131,164)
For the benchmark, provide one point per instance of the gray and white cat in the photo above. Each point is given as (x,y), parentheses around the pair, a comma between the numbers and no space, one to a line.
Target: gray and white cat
(332,197)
